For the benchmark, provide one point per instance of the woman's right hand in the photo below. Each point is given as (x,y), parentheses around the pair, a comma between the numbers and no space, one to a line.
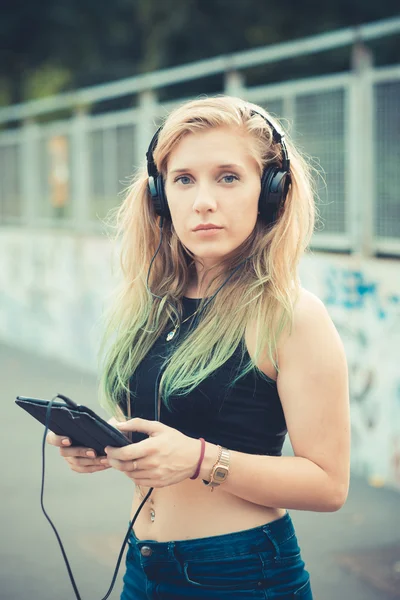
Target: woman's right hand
(80,459)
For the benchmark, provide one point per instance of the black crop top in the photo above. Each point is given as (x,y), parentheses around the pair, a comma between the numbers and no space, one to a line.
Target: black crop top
(247,418)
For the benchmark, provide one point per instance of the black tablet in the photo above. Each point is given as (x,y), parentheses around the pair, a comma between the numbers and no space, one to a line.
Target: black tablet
(77,422)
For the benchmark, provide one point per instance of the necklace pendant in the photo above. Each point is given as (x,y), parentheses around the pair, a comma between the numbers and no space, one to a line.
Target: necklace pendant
(152,515)
(171,335)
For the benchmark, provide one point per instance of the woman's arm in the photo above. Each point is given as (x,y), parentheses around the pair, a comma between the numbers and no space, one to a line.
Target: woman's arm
(313,388)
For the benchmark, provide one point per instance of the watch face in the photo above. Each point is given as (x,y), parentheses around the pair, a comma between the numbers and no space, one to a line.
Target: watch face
(220,474)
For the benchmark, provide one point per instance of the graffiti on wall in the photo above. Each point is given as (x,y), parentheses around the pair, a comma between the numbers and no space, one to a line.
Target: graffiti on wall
(366,312)
(353,291)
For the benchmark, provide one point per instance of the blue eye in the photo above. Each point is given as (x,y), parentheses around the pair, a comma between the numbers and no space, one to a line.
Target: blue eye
(230,177)
(182,177)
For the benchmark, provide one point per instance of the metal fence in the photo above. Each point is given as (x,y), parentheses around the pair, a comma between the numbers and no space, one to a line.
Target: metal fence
(70,173)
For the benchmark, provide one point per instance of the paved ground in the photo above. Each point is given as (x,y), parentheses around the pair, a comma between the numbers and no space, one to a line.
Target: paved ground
(353,554)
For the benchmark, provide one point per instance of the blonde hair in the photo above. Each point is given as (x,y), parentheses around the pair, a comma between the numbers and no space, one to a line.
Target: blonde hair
(263,291)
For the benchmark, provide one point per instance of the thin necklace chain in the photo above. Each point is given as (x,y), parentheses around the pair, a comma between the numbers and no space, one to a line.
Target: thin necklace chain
(172,333)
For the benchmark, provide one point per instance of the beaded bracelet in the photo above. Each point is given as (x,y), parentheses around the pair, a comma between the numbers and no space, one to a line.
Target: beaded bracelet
(203,448)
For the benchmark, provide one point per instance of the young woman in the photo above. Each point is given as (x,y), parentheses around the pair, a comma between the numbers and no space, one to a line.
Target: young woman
(221,352)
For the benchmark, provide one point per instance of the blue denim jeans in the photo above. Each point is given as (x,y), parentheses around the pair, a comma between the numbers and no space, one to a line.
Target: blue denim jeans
(261,563)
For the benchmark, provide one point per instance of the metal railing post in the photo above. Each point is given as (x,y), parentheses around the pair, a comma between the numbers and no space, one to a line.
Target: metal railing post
(360,155)
(234,84)
(80,169)
(30,169)
(145,126)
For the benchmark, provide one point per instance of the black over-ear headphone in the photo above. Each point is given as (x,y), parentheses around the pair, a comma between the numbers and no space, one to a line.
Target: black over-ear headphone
(275,180)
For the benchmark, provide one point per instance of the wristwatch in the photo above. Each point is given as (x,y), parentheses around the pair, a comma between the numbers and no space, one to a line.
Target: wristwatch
(220,470)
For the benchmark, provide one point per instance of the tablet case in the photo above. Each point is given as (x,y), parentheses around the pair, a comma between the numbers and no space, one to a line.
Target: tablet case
(81,424)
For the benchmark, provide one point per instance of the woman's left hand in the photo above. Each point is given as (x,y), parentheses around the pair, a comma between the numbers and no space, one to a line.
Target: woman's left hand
(166,457)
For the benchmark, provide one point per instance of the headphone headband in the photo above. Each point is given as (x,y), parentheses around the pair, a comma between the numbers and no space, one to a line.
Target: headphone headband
(279,138)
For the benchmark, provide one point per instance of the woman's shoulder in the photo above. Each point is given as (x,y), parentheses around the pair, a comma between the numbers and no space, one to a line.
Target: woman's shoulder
(308,305)
(311,326)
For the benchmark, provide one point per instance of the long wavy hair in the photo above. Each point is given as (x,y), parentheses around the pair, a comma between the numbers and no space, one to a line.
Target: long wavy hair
(262,292)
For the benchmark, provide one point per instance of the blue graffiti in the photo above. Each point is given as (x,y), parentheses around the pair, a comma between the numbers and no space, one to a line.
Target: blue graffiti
(351,290)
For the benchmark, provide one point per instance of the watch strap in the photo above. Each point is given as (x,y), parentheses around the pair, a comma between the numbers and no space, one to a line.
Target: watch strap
(222,462)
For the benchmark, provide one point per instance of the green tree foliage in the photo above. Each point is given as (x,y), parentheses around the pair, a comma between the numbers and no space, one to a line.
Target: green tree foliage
(50,46)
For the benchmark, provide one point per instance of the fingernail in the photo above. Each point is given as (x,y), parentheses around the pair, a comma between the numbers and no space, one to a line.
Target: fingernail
(104,461)
(65,442)
(90,453)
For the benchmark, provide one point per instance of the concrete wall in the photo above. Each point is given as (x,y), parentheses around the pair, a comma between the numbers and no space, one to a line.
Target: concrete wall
(54,285)
(363,298)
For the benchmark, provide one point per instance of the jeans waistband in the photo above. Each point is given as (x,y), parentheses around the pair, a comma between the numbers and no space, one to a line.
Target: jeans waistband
(238,542)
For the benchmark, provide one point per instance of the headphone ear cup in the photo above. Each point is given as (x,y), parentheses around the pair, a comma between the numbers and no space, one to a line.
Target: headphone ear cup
(274,187)
(157,192)
(164,208)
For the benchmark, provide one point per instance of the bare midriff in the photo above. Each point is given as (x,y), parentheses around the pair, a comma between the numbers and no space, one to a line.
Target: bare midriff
(189,510)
